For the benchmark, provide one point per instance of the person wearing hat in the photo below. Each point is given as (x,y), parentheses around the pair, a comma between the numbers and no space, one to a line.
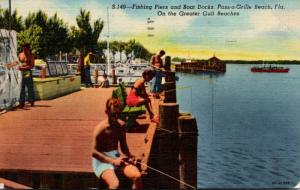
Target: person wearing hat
(87,67)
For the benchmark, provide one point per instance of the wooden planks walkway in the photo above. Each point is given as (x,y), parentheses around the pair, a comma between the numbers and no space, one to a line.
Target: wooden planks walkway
(56,135)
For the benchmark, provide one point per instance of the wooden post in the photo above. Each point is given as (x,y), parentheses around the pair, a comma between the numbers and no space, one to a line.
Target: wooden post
(72,181)
(96,75)
(168,146)
(188,139)
(43,72)
(167,63)
(114,78)
(170,76)
(170,92)
(47,180)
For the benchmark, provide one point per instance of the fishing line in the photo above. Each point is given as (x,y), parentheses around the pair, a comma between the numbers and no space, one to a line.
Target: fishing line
(163,173)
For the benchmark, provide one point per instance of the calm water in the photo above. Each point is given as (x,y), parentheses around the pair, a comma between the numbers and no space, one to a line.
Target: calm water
(249,126)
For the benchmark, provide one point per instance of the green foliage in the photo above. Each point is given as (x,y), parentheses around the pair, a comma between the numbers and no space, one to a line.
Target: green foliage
(14,19)
(32,36)
(178,59)
(50,35)
(85,37)
(39,18)
(128,47)
(54,36)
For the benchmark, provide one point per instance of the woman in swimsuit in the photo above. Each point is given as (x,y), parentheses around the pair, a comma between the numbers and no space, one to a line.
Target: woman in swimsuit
(138,95)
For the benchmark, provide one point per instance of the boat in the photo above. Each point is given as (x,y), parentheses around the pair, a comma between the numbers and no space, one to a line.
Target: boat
(270,69)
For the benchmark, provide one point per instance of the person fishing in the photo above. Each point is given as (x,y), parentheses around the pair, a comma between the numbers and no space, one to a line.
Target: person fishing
(138,95)
(106,158)
(157,65)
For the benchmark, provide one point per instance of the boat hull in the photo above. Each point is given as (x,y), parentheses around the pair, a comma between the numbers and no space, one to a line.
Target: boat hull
(267,70)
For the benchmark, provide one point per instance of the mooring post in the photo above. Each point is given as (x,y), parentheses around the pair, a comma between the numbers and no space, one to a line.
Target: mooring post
(167,65)
(114,78)
(170,87)
(168,145)
(188,139)
(96,75)
(170,76)
(43,72)
(170,92)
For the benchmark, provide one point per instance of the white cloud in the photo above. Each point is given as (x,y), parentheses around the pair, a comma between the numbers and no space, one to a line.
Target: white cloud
(271,21)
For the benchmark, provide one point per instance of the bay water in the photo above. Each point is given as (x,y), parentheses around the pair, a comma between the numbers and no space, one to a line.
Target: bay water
(249,126)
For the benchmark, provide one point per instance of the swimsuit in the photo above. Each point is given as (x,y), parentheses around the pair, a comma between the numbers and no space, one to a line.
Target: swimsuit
(99,167)
(133,97)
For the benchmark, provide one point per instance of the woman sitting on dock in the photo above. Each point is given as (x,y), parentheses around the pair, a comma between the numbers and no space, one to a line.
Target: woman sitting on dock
(138,95)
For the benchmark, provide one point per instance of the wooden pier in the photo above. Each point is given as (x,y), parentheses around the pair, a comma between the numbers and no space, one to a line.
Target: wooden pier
(49,145)
(53,140)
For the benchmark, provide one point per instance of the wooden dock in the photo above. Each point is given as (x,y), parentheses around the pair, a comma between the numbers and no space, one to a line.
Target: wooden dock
(48,145)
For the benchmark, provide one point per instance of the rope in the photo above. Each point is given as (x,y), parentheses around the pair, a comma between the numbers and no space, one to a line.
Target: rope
(163,173)
(163,129)
(183,87)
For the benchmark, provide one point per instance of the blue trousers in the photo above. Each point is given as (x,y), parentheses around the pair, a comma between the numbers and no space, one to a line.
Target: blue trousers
(87,73)
(156,81)
(27,82)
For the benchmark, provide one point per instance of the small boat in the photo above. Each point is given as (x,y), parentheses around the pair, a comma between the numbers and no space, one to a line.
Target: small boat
(270,69)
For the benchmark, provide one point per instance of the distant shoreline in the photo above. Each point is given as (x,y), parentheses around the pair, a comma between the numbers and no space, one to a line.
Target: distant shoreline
(280,62)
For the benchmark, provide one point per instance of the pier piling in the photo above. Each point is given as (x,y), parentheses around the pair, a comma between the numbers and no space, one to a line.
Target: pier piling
(168,145)
(170,76)
(43,72)
(188,139)
(167,63)
(170,92)
(96,74)
(170,87)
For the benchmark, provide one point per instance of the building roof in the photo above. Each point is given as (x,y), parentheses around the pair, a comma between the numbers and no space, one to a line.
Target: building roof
(214,58)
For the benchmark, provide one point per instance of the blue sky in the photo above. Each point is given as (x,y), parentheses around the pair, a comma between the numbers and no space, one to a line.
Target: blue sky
(254,34)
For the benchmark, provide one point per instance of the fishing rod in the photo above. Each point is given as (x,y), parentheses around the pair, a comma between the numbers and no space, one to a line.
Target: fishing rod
(128,161)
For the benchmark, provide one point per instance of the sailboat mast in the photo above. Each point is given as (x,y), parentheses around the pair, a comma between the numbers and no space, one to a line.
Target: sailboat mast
(108,52)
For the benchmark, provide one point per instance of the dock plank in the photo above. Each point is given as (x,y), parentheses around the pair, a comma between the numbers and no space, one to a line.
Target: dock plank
(56,135)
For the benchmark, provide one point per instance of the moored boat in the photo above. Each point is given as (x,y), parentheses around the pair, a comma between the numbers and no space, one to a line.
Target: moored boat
(270,69)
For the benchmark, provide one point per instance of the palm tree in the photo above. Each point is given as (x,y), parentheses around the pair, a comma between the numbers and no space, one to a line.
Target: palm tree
(114,47)
(16,22)
(86,36)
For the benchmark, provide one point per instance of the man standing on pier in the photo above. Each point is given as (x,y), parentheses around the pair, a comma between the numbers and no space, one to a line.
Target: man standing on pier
(26,61)
(106,157)
(87,69)
(157,65)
